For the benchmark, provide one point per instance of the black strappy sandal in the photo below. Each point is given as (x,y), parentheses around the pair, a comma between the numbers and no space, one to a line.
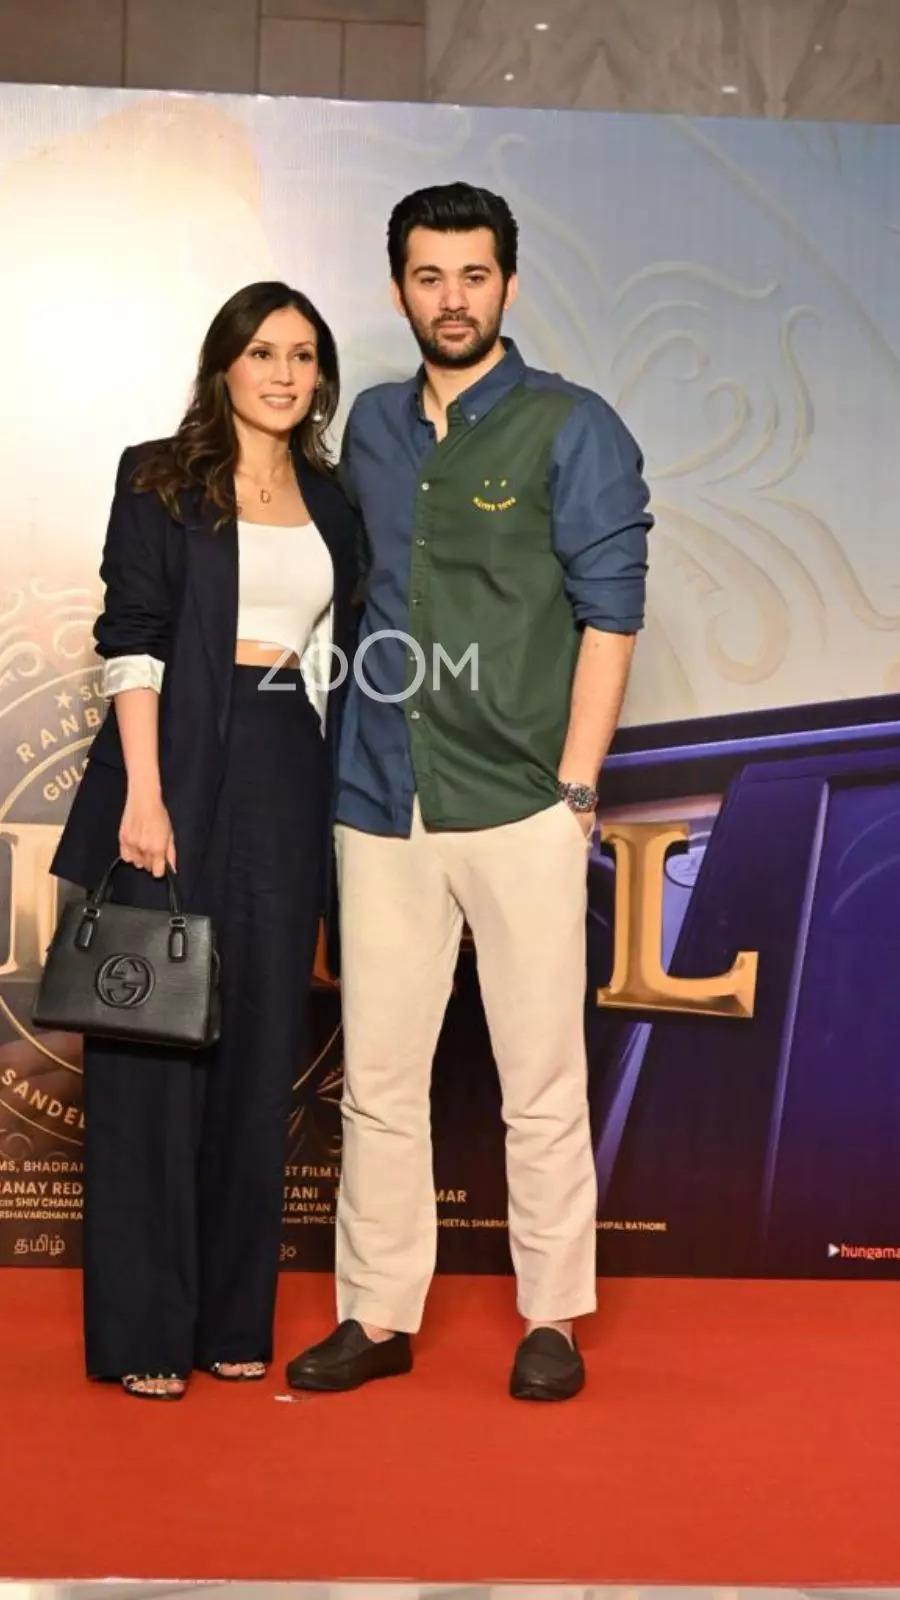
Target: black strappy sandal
(215,1371)
(133,1379)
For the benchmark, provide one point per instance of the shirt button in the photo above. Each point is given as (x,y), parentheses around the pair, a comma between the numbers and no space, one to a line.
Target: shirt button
(414,716)
(420,543)
(415,600)
(426,486)
(473,416)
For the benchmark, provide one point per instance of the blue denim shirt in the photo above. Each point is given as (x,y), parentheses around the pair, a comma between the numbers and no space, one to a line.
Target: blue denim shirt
(559,494)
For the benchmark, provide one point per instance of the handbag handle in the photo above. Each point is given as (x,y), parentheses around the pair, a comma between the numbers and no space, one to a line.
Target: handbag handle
(102,890)
(99,896)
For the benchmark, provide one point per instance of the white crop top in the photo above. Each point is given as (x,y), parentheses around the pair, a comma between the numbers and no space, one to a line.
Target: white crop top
(285,592)
(286,582)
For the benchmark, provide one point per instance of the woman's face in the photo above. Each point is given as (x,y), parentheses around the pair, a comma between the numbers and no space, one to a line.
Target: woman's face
(272,383)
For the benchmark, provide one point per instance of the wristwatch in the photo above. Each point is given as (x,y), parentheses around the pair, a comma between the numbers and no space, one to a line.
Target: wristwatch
(577,796)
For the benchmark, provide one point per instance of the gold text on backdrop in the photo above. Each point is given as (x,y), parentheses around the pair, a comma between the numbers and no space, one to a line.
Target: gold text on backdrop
(639,980)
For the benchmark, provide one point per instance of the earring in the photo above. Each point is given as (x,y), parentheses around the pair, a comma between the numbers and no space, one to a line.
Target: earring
(318,414)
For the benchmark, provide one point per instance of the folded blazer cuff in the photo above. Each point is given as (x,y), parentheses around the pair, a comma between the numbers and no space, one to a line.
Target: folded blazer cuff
(131,672)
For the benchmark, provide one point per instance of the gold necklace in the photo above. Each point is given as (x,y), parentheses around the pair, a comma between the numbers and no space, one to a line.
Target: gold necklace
(265,495)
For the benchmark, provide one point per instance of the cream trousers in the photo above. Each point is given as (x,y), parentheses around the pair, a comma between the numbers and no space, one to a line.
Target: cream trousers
(522,888)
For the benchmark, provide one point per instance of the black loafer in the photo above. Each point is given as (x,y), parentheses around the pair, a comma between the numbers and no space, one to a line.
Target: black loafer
(348,1358)
(547,1367)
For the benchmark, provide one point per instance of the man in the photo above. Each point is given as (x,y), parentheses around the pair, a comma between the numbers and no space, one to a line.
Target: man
(506,517)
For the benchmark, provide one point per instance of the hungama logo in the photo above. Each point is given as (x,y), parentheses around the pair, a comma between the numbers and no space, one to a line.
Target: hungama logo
(864,1252)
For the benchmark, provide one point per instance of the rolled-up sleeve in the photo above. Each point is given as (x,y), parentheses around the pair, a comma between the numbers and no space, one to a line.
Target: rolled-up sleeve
(600,517)
(137,614)
(131,672)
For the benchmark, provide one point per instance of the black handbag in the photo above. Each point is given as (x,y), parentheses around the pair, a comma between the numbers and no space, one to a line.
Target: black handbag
(126,972)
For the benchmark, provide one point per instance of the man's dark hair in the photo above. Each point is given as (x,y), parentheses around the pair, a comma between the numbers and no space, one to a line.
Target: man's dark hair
(453,208)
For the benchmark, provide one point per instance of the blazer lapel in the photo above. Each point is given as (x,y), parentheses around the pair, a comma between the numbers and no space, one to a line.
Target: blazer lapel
(323,502)
(212,569)
(316,491)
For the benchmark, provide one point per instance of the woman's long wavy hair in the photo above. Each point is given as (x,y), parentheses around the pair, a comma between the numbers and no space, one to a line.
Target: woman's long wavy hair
(204,450)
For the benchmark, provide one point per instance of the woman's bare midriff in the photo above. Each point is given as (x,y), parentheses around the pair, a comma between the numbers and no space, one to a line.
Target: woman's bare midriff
(249,653)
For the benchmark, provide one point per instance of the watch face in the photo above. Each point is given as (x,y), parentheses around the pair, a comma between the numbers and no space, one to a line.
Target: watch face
(580,796)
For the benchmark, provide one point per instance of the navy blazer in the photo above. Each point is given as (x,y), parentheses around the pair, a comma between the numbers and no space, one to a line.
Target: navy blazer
(172,592)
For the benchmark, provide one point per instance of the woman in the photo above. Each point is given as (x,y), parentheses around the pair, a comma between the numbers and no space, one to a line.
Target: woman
(206,765)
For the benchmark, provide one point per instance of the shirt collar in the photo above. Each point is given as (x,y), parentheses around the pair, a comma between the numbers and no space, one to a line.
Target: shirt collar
(475,402)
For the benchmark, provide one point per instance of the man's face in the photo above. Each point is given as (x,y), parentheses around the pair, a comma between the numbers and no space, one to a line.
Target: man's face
(453,295)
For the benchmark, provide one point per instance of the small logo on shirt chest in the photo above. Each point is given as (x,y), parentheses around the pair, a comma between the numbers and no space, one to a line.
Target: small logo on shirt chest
(494,499)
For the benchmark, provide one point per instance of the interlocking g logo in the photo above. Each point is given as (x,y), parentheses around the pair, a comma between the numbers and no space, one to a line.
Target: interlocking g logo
(125,981)
(494,504)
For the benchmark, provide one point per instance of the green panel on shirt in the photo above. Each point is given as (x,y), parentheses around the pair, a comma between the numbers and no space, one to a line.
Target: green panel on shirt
(484,574)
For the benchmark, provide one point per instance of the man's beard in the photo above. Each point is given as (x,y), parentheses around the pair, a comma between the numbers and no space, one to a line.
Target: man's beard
(468,355)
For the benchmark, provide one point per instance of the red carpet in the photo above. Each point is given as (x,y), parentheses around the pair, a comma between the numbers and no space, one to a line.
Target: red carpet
(730,1433)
